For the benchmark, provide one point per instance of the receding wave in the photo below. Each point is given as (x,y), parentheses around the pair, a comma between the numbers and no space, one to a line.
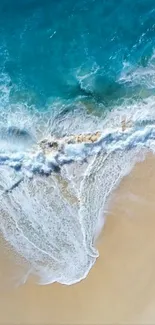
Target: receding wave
(53,193)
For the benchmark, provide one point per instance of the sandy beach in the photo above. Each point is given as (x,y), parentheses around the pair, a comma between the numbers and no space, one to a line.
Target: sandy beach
(120,289)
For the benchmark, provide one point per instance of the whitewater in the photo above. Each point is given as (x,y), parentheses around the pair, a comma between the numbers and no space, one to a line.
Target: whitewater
(54,190)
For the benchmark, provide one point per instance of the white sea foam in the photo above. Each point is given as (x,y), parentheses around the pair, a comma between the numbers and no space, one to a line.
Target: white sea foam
(139,75)
(53,222)
(111,140)
(86,76)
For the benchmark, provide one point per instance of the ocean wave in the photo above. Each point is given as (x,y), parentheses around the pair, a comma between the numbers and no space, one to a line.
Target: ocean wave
(57,171)
(51,221)
(51,153)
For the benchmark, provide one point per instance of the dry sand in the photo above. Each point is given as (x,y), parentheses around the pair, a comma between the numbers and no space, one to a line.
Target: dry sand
(121,286)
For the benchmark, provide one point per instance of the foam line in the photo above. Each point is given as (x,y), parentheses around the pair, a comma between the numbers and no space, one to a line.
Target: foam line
(45,162)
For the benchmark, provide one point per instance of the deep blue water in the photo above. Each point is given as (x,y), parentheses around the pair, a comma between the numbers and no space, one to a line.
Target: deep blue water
(47,46)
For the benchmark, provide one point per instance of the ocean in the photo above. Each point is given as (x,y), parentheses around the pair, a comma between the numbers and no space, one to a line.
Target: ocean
(68,70)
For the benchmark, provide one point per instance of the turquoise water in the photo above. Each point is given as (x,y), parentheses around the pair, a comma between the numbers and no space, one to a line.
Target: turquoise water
(68,68)
(47,47)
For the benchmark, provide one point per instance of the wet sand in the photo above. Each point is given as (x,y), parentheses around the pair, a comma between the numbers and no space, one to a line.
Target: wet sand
(121,286)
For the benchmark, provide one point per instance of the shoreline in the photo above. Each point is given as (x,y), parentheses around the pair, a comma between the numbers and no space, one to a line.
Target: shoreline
(122,280)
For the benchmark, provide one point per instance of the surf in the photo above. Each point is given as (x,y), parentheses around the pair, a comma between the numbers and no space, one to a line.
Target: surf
(54,193)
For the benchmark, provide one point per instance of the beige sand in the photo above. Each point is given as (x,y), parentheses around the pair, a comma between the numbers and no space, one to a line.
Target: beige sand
(121,286)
